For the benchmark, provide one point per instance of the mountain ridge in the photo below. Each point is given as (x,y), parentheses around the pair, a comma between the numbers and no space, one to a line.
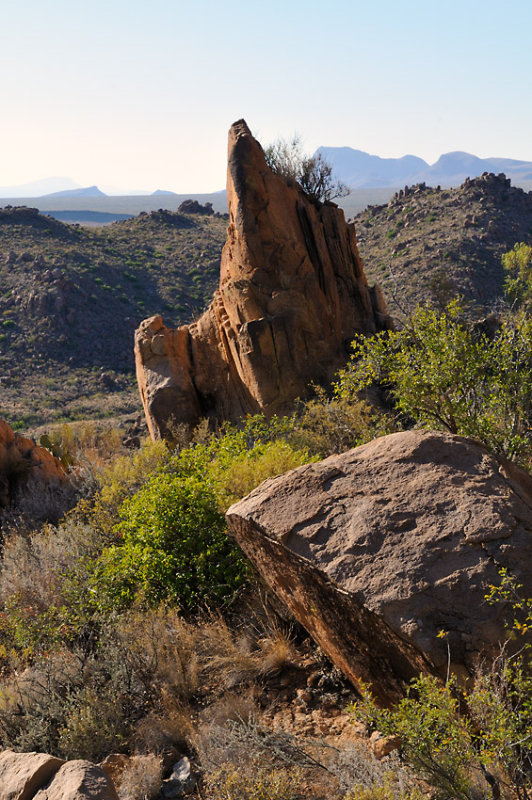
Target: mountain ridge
(361,170)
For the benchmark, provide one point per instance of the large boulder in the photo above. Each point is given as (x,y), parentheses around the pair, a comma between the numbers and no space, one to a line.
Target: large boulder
(292,295)
(379,549)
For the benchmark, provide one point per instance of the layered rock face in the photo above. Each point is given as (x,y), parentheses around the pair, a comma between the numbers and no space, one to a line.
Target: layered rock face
(292,295)
(379,549)
(24,466)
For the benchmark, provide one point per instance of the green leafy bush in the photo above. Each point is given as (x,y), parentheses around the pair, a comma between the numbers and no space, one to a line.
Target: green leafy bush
(175,547)
(442,374)
(517,264)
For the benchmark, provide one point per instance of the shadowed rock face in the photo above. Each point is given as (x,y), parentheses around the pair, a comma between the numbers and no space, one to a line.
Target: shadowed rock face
(292,295)
(378,549)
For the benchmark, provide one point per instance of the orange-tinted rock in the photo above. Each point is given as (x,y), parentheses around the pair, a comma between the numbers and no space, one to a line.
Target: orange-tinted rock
(26,467)
(377,550)
(292,295)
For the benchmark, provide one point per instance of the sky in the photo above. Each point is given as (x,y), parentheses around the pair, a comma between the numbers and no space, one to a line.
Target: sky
(140,95)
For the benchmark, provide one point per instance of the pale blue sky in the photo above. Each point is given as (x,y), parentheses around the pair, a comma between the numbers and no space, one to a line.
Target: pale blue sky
(140,95)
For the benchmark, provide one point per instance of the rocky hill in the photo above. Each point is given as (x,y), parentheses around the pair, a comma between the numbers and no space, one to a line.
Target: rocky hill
(432,244)
(71,298)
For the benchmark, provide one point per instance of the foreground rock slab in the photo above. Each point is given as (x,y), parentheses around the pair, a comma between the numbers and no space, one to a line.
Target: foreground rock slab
(379,549)
(292,295)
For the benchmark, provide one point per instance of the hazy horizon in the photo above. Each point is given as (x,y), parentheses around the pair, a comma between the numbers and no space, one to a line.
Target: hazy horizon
(140,97)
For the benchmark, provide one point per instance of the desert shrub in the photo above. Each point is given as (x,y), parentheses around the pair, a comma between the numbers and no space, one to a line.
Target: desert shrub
(441,374)
(437,741)
(142,778)
(517,264)
(174,547)
(87,701)
(43,587)
(327,425)
(477,741)
(129,472)
(361,776)
(66,704)
(313,173)
(236,477)
(233,783)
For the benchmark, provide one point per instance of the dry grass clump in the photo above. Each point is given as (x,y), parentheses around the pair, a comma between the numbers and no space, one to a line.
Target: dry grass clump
(361,776)
(141,778)
(33,563)
(233,783)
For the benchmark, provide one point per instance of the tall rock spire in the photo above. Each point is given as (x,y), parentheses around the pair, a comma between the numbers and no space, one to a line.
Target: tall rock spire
(292,295)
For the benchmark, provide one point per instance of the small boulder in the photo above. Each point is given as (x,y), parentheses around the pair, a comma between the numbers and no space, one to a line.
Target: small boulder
(78,780)
(23,774)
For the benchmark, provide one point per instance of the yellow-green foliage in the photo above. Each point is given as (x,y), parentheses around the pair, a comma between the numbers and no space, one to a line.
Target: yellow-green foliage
(236,460)
(127,473)
(237,478)
(442,374)
(517,264)
(462,741)
(232,783)
(325,426)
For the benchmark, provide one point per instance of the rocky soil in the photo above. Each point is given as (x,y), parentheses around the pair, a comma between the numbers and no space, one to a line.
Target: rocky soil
(433,244)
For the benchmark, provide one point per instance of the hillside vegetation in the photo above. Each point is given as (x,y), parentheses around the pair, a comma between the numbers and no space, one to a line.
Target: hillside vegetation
(429,244)
(136,626)
(73,296)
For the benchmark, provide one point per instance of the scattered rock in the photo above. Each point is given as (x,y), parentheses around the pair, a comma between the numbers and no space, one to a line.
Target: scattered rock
(193,207)
(23,774)
(377,550)
(78,780)
(114,765)
(382,746)
(180,782)
(292,295)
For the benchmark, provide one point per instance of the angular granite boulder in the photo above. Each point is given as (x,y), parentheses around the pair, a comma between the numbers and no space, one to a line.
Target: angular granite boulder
(379,549)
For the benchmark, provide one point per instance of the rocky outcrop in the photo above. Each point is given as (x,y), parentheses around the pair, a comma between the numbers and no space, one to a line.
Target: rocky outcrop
(431,244)
(292,295)
(37,776)
(24,463)
(379,549)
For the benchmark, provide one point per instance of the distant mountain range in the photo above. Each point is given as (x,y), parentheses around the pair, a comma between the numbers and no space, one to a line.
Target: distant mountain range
(66,187)
(88,191)
(357,169)
(360,170)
